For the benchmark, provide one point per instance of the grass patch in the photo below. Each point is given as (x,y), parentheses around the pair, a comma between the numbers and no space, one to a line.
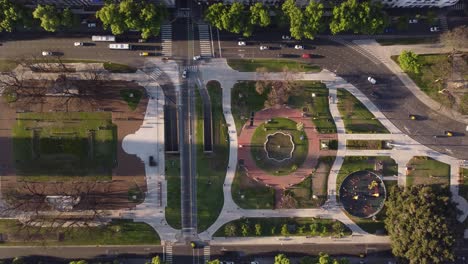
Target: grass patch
(211,167)
(271,65)
(245,100)
(463,188)
(316,107)
(356,117)
(282,227)
(427,171)
(132,97)
(119,68)
(249,194)
(173,213)
(407,41)
(366,144)
(7,65)
(54,146)
(259,154)
(117,232)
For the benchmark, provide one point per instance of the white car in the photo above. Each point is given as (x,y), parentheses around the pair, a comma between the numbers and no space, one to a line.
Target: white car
(286,37)
(184,74)
(413,21)
(434,29)
(371,80)
(76,44)
(263,47)
(91,25)
(47,53)
(195,58)
(241,43)
(299,47)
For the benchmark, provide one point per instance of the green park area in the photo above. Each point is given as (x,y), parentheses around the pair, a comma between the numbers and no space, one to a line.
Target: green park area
(366,144)
(7,65)
(312,192)
(250,194)
(272,65)
(356,117)
(211,167)
(245,100)
(117,232)
(463,191)
(427,171)
(250,227)
(132,97)
(173,214)
(271,146)
(60,146)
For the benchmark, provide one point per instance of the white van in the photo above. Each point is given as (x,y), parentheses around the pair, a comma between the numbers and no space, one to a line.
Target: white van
(120,46)
(103,38)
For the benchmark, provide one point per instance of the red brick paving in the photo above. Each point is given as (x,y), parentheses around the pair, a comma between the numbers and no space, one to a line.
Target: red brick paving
(282,182)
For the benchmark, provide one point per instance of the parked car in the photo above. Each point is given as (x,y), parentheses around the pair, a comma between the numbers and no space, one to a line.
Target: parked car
(264,48)
(448,133)
(389,30)
(152,162)
(371,80)
(197,57)
(184,74)
(306,56)
(285,37)
(144,54)
(47,53)
(299,47)
(241,43)
(91,25)
(434,29)
(413,117)
(77,44)
(413,21)
(141,40)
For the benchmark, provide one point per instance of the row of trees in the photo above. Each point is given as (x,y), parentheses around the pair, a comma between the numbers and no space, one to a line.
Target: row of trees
(359,17)
(322,258)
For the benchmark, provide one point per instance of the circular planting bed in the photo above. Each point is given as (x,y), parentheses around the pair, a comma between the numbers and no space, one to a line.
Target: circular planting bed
(278,147)
(363,194)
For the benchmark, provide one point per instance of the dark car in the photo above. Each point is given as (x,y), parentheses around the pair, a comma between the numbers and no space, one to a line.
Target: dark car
(152,162)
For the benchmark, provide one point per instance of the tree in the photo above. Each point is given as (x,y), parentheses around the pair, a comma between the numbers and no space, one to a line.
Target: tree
(216,261)
(214,13)
(245,230)
(258,230)
(281,259)
(456,38)
(422,224)
(68,19)
(10,15)
(79,262)
(235,19)
(230,230)
(296,18)
(110,17)
(409,62)
(366,17)
(259,15)
(313,19)
(152,17)
(305,23)
(49,16)
(155,260)
(338,228)
(284,230)
(18,260)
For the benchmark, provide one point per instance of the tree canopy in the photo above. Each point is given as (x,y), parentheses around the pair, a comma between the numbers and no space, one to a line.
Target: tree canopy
(409,61)
(10,15)
(365,17)
(49,17)
(304,23)
(129,14)
(421,222)
(456,38)
(281,259)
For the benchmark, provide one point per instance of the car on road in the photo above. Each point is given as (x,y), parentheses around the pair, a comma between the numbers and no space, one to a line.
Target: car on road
(241,43)
(152,162)
(77,44)
(91,25)
(184,74)
(448,133)
(264,48)
(371,80)
(47,53)
(298,47)
(285,37)
(226,262)
(198,57)
(434,29)
(144,54)
(413,117)
(306,56)
(413,21)
(389,30)
(141,40)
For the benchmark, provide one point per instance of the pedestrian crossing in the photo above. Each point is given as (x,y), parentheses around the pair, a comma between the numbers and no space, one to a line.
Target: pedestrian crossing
(206,253)
(355,48)
(183,12)
(192,68)
(205,40)
(166,40)
(458,6)
(168,254)
(154,73)
(443,23)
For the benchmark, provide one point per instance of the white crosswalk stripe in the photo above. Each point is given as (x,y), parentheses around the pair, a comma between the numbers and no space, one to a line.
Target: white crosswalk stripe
(169,254)
(166,40)
(192,68)
(205,40)
(206,254)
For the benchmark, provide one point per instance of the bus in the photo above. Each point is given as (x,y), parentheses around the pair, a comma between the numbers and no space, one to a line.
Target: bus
(109,38)
(120,46)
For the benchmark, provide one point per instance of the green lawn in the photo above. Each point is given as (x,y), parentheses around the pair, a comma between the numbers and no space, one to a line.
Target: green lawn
(132,97)
(365,144)
(316,107)
(117,232)
(463,189)
(173,214)
(211,167)
(356,117)
(407,41)
(427,171)
(273,227)
(119,68)
(271,65)
(428,84)
(244,101)
(352,164)
(7,65)
(271,166)
(249,194)
(55,146)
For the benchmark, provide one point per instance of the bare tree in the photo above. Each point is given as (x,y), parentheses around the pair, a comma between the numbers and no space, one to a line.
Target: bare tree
(456,38)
